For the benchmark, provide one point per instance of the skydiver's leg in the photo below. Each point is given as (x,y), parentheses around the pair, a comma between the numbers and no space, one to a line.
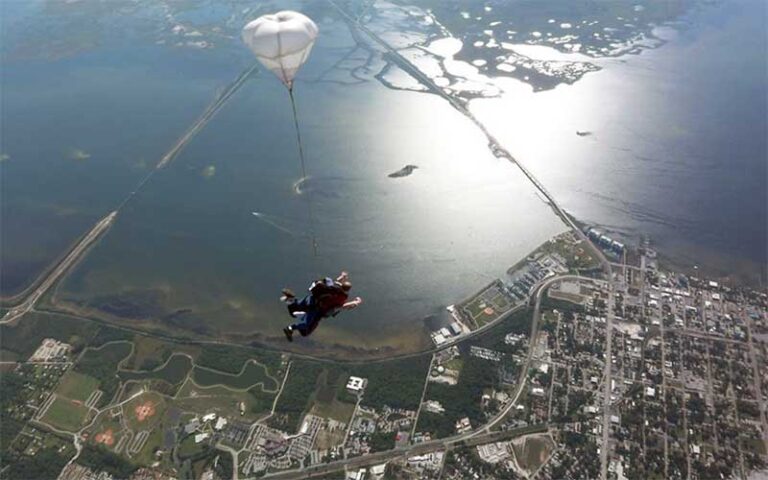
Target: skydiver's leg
(300,306)
(311,328)
(307,324)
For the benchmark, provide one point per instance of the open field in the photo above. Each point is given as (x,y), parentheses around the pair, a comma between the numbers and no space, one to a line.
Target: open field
(224,401)
(101,364)
(106,430)
(144,411)
(148,353)
(229,359)
(145,455)
(173,372)
(335,409)
(252,374)
(77,386)
(487,305)
(331,399)
(531,452)
(66,414)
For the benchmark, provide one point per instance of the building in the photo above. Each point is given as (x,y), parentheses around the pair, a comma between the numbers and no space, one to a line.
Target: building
(356,385)
(377,471)
(493,452)
(433,406)
(463,425)
(438,338)
(192,425)
(50,349)
(356,475)
(209,417)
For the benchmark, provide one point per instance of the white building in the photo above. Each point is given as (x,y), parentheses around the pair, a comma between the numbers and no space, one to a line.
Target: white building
(377,471)
(356,385)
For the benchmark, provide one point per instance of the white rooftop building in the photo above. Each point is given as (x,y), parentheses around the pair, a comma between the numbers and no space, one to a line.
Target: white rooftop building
(378,470)
(356,384)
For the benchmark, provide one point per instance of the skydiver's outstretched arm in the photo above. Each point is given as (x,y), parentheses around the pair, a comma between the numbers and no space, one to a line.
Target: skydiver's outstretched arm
(352,303)
(343,277)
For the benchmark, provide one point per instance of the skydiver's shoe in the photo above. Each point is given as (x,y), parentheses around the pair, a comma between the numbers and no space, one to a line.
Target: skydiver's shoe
(288,295)
(288,331)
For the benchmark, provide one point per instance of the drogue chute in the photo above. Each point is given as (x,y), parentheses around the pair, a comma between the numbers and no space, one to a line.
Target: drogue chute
(282,42)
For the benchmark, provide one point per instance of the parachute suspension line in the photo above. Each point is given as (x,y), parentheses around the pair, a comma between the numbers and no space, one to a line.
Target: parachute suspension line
(304,172)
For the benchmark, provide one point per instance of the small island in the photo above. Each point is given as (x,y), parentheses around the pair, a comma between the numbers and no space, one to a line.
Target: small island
(403,172)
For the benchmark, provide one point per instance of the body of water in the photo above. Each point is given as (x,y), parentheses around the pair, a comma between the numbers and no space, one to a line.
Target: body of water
(670,143)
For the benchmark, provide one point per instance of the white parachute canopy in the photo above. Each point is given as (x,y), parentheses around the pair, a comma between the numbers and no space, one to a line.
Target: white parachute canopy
(281,42)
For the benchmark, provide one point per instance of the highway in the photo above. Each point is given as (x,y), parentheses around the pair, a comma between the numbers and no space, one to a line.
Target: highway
(76,253)
(409,451)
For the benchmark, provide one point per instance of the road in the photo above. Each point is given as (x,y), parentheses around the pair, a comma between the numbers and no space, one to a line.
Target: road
(76,253)
(479,436)
(499,418)
(206,116)
(409,451)
(82,246)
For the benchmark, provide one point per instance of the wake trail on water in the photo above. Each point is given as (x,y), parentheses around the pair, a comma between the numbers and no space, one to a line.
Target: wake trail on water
(274,222)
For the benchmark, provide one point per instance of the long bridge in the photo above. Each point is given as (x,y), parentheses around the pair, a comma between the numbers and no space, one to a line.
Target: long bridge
(69,260)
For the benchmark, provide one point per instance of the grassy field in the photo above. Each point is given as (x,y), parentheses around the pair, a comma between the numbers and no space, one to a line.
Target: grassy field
(229,359)
(224,401)
(188,448)
(145,411)
(106,424)
(172,372)
(66,414)
(252,374)
(77,386)
(146,455)
(148,353)
(487,305)
(335,409)
(101,364)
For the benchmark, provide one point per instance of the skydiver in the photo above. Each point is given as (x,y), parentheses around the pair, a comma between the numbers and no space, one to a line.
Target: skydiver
(327,297)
